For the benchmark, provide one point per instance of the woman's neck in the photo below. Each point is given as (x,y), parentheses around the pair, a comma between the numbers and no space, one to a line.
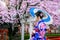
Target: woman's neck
(38,19)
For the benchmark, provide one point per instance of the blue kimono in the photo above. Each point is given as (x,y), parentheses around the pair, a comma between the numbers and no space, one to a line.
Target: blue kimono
(40,31)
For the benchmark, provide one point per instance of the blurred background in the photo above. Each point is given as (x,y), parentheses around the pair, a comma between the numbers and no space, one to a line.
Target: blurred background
(17,24)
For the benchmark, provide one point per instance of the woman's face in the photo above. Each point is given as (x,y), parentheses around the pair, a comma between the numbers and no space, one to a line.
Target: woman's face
(37,19)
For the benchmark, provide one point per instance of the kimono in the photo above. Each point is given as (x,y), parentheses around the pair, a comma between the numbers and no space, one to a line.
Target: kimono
(40,31)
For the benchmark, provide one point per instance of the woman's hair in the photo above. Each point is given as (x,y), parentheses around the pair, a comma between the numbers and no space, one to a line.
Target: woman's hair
(39,14)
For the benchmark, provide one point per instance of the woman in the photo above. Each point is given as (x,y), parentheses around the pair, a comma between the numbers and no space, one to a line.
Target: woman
(39,28)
